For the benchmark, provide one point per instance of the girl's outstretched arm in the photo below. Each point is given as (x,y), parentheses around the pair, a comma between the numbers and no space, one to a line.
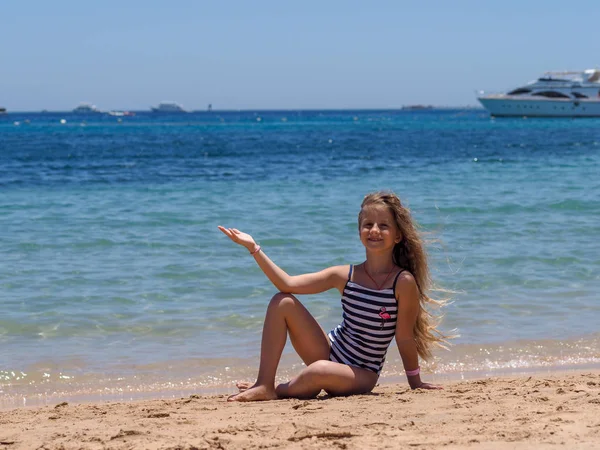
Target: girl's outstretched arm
(407,295)
(310,283)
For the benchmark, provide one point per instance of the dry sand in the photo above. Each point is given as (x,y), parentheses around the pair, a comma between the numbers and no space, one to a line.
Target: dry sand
(542,411)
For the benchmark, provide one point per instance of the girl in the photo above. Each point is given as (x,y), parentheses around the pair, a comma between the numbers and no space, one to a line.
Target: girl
(382,298)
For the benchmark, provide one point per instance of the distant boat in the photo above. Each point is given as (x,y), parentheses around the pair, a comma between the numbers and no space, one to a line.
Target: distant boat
(209,109)
(555,94)
(168,107)
(2,110)
(86,108)
(416,107)
(121,113)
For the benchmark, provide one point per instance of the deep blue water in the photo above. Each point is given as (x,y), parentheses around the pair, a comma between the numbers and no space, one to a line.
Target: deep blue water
(110,256)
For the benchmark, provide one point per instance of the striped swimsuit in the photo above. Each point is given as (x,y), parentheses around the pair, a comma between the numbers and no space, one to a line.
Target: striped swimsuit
(367,328)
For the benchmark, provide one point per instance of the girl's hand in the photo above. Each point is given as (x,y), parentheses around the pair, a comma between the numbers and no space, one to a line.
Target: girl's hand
(426,386)
(238,237)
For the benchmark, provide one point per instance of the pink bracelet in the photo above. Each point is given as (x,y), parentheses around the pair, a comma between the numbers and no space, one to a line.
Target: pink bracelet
(412,373)
(256,250)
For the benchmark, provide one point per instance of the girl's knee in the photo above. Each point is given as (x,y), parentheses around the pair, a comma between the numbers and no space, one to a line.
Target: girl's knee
(319,368)
(281,299)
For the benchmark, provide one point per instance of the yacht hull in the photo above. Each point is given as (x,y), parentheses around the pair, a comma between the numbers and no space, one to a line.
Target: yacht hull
(505,106)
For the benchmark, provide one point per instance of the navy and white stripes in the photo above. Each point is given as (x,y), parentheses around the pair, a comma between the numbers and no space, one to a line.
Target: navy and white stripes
(367,328)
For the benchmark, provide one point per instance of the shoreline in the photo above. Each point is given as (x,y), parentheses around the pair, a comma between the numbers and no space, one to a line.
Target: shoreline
(524,411)
(168,390)
(74,380)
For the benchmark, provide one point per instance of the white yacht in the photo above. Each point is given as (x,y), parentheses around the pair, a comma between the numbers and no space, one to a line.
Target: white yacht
(168,107)
(86,108)
(555,94)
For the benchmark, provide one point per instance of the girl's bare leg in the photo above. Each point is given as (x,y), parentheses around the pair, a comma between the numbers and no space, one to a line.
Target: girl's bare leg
(284,314)
(335,378)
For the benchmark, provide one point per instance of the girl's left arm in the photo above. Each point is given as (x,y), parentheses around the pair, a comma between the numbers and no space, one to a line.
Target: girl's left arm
(407,296)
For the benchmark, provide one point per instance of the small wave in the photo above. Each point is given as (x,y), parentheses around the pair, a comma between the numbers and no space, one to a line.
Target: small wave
(575,205)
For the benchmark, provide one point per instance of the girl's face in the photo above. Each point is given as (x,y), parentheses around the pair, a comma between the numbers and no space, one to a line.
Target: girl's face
(378,229)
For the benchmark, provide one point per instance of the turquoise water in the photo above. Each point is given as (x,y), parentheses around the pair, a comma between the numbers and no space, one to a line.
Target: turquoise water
(113,274)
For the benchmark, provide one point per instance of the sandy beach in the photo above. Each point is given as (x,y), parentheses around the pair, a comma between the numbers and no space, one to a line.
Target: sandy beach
(538,411)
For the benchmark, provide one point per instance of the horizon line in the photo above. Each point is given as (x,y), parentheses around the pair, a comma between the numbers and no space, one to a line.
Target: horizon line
(411,107)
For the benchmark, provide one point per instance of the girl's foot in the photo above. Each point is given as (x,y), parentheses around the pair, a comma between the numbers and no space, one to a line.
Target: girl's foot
(243,385)
(254,394)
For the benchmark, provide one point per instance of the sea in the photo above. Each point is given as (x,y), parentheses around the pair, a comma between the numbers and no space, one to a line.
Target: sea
(115,283)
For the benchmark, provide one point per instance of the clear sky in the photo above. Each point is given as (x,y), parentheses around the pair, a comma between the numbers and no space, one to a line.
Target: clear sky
(244,54)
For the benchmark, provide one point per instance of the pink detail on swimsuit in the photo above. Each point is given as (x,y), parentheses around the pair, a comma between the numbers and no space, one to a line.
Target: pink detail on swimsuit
(384,315)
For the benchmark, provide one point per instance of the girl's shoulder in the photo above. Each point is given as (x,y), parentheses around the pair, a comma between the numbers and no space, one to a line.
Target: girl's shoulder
(345,270)
(406,284)
(405,276)
(339,275)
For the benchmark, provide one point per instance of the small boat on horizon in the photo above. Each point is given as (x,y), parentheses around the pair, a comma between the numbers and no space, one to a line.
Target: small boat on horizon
(120,113)
(416,107)
(86,108)
(554,94)
(3,111)
(168,107)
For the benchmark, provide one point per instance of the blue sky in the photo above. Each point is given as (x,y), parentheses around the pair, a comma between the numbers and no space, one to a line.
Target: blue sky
(131,54)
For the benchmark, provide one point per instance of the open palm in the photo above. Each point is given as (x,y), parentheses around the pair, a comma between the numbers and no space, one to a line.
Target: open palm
(238,237)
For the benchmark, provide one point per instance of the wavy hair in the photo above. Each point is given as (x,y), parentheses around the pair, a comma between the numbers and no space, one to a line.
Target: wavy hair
(410,254)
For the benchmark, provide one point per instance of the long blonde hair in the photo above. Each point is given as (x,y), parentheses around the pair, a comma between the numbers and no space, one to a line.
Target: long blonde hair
(410,254)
